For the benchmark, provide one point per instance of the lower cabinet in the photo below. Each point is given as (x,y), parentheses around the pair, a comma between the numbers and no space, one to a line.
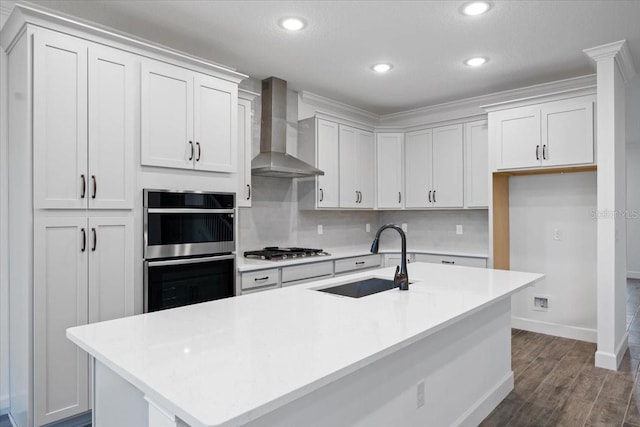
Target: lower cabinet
(83,273)
(391,260)
(350,265)
(452,260)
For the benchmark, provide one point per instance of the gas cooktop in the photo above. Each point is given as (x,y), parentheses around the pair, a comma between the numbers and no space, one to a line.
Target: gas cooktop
(275,253)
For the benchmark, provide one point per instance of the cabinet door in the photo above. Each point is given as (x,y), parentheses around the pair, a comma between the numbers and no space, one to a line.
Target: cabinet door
(110,248)
(418,160)
(59,121)
(389,170)
(328,161)
(567,132)
(61,384)
(365,163)
(166,116)
(476,164)
(518,133)
(112,91)
(215,115)
(447,167)
(243,197)
(348,168)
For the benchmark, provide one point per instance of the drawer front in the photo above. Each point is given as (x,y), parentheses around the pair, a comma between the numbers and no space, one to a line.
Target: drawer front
(307,271)
(357,263)
(391,260)
(453,260)
(259,279)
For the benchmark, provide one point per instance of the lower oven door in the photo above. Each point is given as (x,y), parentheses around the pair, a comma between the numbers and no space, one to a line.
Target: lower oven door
(178,282)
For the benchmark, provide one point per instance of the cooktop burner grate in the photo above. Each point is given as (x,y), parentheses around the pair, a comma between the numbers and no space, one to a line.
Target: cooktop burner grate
(276,253)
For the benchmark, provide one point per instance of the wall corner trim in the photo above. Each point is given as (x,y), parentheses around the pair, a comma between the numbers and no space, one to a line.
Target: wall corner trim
(620,52)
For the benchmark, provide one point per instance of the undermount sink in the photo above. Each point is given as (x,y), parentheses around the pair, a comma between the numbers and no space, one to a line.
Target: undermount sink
(361,288)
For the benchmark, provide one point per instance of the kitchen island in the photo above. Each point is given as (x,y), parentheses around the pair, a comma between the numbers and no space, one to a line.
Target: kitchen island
(438,354)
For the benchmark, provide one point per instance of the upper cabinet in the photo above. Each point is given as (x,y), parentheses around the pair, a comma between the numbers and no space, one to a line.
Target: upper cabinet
(476,165)
(83,124)
(356,167)
(434,168)
(245,155)
(188,119)
(549,134)
(389,152)
(328,154)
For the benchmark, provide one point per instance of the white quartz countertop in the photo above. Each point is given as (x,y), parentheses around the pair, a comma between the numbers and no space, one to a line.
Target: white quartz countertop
(248,264)
(230,361)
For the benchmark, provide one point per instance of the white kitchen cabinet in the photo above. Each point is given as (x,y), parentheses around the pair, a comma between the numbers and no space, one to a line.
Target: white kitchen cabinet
(83,273)
(392,260)
(389,156)
(356,161)
(544,135)
(260,280)
(245,117)
(452,260)
(298,274)
(434,168)
(188,119)
(476,165)
(365,262)
(418,169)
(83,131)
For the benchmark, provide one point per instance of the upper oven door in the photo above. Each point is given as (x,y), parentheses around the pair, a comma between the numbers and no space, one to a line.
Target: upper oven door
(186,224)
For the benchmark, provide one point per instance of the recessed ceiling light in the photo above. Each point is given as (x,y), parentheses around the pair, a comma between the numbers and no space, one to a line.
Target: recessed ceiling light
(292,24)
(381,68)
(475,62)
(475,8)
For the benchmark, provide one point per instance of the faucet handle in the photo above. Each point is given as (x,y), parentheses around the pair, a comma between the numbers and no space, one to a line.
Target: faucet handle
(401,280)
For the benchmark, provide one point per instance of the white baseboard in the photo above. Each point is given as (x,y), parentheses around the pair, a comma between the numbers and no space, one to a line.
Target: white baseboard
(610,360)
(555,329)
(633,274)
(487,403)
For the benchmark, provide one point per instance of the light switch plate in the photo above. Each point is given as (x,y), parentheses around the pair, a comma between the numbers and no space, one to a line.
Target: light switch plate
(404,227)
(320,230)
(368,228)
(458,229)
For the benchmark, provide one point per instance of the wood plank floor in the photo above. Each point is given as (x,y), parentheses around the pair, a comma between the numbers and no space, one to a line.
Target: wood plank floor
(557,384)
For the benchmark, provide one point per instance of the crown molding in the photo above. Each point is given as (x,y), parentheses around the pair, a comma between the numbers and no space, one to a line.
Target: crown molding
(336,107)
(6,7)
(620,52)
(247,95)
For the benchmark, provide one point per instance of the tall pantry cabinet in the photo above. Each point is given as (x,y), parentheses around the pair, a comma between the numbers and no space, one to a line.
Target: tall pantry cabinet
(71,195)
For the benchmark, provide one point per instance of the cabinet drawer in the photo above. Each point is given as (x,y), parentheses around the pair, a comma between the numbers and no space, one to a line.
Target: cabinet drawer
(259,279)
(453,260)
(357,263)
(391,260)
(307,271)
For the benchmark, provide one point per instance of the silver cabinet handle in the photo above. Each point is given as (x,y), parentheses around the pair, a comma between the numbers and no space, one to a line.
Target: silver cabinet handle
(84,186)
(429,196)
(95,186)
(537,152)
(434,196)
(191,146)
(321,195)
(95,239)
(199,151)
(84,240)
(399,197)
(259,279)
(248,192)
(544,152)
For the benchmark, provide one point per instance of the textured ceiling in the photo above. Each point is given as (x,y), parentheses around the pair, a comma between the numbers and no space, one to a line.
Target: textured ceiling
(528,42)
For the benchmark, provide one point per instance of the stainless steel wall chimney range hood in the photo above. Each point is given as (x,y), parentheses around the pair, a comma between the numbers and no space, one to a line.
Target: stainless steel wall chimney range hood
(273,159)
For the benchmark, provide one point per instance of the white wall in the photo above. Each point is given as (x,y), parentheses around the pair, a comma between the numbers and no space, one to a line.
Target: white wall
(4,283)
(540,205)
(633,178)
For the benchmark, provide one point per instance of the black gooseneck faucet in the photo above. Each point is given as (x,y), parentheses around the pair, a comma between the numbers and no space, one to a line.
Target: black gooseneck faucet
(401,278)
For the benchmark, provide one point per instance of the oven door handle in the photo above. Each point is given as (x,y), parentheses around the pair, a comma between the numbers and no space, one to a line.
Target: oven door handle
(189,260)
(181,211)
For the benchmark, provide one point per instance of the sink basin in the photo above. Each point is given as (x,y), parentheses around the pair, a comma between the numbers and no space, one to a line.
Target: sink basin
(361,288)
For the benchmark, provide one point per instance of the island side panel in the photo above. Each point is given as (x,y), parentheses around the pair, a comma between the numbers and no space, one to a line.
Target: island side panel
(116,401)
(465,368)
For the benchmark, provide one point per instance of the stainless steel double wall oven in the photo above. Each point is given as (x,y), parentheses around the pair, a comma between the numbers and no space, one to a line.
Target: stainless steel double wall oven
(189,244)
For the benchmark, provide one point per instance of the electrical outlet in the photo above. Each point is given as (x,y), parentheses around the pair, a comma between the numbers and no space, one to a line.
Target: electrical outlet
(420,394)
(368,228)
(404,227)
(541,302)
(320,230)
(557,234)
(458,229)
